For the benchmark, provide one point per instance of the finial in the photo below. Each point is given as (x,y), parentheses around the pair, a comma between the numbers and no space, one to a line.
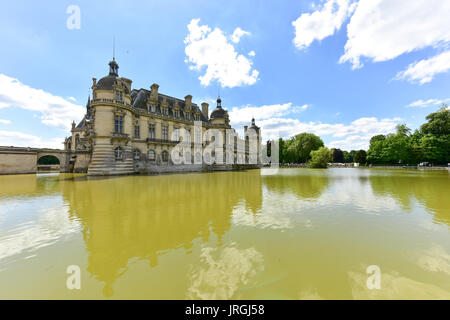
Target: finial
(114,48)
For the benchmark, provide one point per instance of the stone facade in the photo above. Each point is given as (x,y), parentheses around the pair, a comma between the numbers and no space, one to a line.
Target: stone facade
(129,130)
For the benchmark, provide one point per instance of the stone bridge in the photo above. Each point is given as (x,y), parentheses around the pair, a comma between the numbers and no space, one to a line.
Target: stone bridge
(16,160)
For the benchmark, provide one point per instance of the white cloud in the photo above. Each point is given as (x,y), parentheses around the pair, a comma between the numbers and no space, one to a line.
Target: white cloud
(240,116)
(72,98)
(430,102)
(423,71)
(237,34)
(55,111)
(3,121)
(20,139)
(212,50)
(275,123)
(321,23)
(382,30)
(252,53)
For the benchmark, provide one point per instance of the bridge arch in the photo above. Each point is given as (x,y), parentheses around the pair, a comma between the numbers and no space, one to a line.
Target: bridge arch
(48,159)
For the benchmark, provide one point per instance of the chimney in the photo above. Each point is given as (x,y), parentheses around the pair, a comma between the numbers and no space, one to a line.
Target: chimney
(205,107)
(188,101)
(154,91)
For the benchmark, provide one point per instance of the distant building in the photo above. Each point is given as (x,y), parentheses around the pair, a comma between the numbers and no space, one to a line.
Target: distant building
(127,130)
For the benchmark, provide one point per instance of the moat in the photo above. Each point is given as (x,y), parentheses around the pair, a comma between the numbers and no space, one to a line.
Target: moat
(298,234)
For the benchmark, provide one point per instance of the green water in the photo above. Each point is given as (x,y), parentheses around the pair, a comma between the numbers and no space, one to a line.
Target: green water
(298,234)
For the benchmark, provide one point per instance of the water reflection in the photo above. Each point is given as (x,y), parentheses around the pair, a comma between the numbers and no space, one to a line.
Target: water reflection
(223,272)
(28,185)
(300,234)
(304,183)
(431,189)
(144,217)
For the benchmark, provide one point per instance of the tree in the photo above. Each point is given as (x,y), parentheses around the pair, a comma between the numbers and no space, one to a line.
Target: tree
(434,143)
(375,152)
(438,122)
(320,158)
(436,148)
(360,156)
(348,158)
(338,156)
(298,148)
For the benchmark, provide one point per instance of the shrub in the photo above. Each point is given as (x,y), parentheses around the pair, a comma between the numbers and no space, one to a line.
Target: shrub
(320,158)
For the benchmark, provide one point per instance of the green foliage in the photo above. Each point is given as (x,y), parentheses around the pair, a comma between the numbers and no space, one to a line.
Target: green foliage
(320,158)
(360,156)
(431,143)
(348,158)
(338,156)
(438,122)
(298,148)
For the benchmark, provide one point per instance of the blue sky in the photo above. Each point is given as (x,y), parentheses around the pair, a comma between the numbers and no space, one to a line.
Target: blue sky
(343,69)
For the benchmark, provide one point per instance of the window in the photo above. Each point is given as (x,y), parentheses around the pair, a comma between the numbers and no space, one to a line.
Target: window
(198,136)
(186,116)
(152,108)
(77,140)
(188,135)
(176,134)
(197,117)
(151,131)
(165,111)
(165,156)
(118,153)
(118,124)
(137,131)
(151,155)
(165,132)
(119,95)
(137,154)
(177,113)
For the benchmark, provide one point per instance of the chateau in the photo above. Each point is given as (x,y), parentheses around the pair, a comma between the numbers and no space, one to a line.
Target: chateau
(129,130)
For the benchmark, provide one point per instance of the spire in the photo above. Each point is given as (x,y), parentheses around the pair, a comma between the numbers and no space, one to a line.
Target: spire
(88,107)
(113,66)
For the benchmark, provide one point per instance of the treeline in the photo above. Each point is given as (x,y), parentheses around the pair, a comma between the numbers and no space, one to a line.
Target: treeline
(431,143)
(309,148)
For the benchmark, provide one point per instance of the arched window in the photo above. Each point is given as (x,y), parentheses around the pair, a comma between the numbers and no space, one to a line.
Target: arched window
(187,157)
(165,156)
(198,157)
(151,155)
(118,153)
(137,154)
(77,140)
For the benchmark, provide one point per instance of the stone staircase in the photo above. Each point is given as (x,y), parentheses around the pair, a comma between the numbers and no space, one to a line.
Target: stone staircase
(103,162)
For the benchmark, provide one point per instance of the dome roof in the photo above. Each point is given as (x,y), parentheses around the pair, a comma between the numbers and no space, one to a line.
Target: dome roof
(218,113)
(106,83)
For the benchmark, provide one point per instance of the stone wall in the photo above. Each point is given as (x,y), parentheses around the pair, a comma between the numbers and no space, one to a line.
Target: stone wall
(18,162)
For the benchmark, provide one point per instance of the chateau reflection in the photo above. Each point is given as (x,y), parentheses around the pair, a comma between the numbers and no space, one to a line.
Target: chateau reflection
(142,217)
(404,188)
(306,184)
